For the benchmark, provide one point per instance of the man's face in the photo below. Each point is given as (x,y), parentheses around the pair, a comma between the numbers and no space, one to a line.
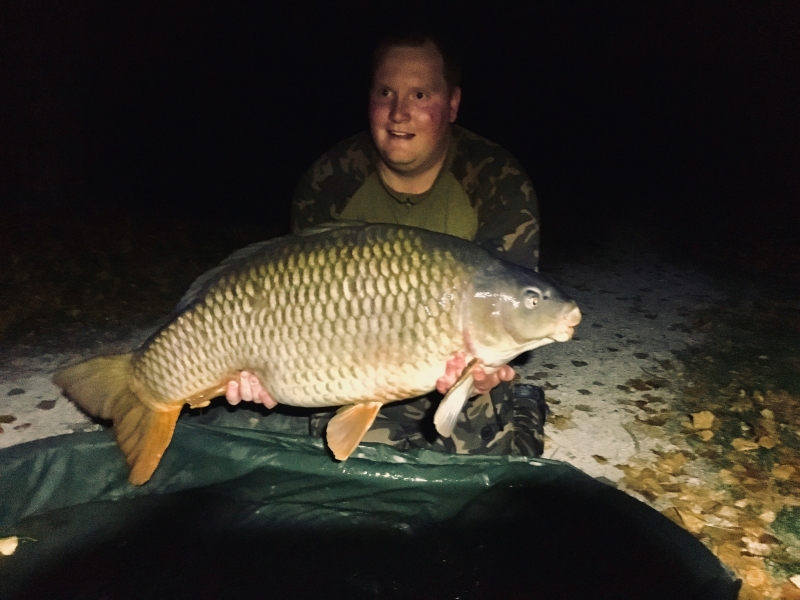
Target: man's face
(410,109)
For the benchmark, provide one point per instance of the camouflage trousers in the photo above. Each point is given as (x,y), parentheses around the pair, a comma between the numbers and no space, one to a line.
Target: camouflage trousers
(509,420)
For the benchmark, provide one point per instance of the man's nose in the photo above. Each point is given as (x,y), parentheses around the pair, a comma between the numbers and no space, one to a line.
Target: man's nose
(399,111)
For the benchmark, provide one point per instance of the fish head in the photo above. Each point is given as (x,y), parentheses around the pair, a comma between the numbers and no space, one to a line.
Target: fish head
(514,309)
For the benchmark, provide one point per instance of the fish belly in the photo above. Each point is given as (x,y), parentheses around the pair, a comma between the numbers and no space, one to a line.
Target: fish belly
(322,321)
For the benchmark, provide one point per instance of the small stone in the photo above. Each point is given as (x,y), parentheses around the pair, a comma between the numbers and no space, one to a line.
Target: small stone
(15,392)
(46,404)
(795,579)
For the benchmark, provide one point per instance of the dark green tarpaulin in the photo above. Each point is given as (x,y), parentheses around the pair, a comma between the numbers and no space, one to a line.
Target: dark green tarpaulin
(241,513)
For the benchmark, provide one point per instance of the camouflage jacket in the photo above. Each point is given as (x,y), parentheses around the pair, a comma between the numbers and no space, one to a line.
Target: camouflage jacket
(504,208)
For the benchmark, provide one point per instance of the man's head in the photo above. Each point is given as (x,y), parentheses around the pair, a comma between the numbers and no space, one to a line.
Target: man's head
(414,97)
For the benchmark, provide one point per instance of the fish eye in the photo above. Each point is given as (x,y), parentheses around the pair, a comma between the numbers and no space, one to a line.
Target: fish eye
(532,297)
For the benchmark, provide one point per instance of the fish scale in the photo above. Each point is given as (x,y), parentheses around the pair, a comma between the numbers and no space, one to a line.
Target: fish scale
(291,302)
(346,314)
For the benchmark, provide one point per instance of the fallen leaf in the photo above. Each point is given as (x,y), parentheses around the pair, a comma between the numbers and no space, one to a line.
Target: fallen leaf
(728,512)
(756,577)
(560,421)
(8,545)
(7,418)
(601,459)
(692,523)
(768,441)
(702,420)
(638,384)
(743,445)
(705,434)
(768,516)
(783,472)
(790,591)
(756,548)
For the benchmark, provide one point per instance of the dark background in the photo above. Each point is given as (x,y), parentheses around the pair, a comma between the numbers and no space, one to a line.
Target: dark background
(675,122)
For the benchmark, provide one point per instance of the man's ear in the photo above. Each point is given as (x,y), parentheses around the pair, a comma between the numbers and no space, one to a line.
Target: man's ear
(455,101)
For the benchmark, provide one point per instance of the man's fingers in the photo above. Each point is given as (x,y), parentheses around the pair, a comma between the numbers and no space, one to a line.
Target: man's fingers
(244,386)
(232,393)
(266,399)
(506,373)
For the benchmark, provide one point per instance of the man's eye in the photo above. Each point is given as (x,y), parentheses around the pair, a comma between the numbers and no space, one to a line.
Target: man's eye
(419,95)
(384,93)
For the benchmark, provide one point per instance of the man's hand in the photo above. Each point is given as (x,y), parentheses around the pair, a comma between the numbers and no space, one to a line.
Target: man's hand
(249,389)
(483,382)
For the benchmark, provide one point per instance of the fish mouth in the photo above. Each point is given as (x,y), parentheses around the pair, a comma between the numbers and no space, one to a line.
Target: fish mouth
(566,325)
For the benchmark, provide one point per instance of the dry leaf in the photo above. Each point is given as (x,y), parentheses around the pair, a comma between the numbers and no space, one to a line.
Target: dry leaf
(743,445)
(756,577)
(783,472)
(702,420)
(789,591)
(756,548)
(8,545)
(728,478)
(795,579)
(692,523)
(768,441)
(728,512)
(705,434)
(767,516)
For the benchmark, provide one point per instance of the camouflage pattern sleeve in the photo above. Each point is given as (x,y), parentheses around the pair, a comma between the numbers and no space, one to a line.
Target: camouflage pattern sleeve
(503,195)
(324,190)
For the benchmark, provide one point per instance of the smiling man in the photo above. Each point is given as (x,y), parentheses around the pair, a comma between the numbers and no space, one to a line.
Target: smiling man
(415,167)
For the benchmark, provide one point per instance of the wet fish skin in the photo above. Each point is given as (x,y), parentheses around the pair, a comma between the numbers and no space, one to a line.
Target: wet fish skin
(346,314)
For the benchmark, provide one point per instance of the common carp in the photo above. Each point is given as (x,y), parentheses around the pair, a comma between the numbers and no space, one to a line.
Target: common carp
(347,314)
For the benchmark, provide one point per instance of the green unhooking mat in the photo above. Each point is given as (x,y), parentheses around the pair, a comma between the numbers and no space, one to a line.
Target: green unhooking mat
(238,513)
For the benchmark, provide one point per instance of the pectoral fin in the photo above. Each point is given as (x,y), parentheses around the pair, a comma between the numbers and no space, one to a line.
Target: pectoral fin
(447,414)
(349,426)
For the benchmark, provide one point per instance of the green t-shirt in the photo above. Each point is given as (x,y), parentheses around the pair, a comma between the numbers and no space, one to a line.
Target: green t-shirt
(482,194)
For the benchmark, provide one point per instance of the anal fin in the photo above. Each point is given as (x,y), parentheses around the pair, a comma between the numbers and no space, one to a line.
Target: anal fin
(348,427)
(451,405)
(143,435)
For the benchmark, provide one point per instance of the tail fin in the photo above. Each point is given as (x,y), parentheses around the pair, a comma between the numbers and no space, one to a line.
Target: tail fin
(104,387)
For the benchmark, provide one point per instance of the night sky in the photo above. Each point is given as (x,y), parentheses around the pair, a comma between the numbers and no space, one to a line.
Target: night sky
(676,120)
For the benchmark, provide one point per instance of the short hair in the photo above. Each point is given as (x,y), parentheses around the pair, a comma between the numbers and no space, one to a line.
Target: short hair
(417,37)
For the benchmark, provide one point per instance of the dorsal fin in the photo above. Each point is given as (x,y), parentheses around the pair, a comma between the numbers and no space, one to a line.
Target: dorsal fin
(244,254)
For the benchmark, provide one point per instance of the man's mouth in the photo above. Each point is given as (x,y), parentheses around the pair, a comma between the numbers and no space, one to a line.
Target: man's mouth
(400,134)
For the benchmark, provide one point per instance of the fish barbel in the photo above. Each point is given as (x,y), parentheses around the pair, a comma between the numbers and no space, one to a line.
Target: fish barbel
(347,314)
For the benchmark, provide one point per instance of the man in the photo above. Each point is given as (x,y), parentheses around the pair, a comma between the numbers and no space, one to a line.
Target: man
(415,167)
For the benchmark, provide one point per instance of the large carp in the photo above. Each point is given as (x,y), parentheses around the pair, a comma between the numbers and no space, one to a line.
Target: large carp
(344,314)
